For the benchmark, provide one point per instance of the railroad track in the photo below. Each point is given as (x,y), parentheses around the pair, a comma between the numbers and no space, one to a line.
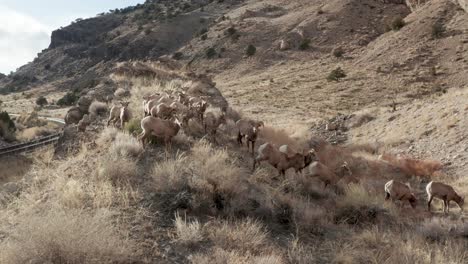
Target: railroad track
(33,144)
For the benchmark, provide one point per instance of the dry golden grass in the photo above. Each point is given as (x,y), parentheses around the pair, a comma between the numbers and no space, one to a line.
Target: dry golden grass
(125,146)
(221,256)
(206,173)
(66,237)
(188,233)
(33,133)
(120,171)
(244,236)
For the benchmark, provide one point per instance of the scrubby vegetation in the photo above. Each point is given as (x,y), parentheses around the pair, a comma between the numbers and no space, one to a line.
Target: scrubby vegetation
(336,75)
(41,101)
(397,23)
(250,50)
(68,99)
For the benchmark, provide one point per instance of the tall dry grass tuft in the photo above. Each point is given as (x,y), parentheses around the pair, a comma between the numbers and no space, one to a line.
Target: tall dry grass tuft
(245,236)
(119,171)
(125,146)
(359,207)
(107,136)
(207,175)
(188,233)
(66,237)
(219,255)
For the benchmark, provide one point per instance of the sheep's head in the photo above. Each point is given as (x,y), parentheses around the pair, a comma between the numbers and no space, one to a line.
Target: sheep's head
(260,124)
(309,157)
(345,168)
(412,200)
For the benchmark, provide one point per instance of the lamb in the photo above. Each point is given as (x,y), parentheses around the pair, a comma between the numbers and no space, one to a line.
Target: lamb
(282,161)
(163,111)
(119,113)
(125,114)
(248,129)
(444,192)
(399,191)
(212,121)
(160,128)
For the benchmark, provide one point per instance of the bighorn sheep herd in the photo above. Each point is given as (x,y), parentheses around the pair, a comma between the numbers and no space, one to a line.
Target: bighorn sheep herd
(166,113)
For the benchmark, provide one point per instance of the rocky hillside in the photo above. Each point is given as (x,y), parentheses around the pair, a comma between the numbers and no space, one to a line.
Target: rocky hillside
(294,46)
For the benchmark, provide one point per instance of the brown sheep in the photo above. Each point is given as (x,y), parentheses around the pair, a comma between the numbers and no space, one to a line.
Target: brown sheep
(119,113)
(323,173)
(163,111)
(281,160)
(444,192)
(212,121)
(165,129)
(399,191)
(248,129)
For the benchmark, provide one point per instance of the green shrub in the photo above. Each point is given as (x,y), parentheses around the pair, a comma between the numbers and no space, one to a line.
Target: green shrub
(336,75)
(230,31)
(338,52)
(251,50)
(7,127)
(41,101)
(133,126)
(68,99)
(438,30)
(210,53)
(305,44)
(397,23)
(204,37)
(177,56)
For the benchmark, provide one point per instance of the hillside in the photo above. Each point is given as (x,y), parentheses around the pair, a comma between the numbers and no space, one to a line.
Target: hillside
(180,191)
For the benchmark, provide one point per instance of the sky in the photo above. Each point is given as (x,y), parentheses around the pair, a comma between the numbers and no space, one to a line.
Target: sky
(26,25)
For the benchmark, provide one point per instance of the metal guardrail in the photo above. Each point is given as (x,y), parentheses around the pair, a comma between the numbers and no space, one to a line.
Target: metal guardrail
(28,146)
(33,144)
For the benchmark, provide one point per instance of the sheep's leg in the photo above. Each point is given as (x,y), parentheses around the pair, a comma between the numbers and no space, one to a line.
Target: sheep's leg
(387,196)
(257,160)
(239,138)
(253,147)
(447,205)
(429,203)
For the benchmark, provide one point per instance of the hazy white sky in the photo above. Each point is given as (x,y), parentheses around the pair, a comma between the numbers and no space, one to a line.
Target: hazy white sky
(26,25)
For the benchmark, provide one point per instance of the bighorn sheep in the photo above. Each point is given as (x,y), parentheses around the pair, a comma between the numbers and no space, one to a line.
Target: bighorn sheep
(281,160)
(444,192)
(159,128)
(212,121)
(199,105)
(399,191)
(248,129)
(119,113)
(163,111)
(328,177)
